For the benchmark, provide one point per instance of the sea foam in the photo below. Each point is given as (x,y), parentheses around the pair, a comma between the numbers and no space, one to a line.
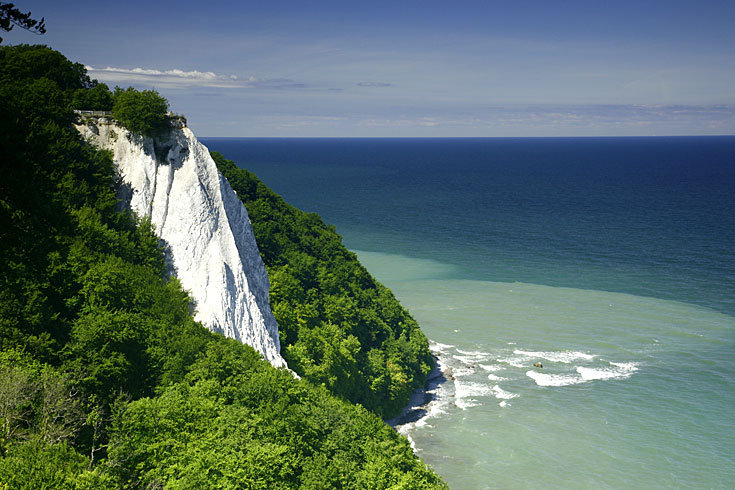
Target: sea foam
(618,371)
(439,347)
(501,394)
(491,367)
(518,362)
(543,379)
(465,391)
(561,356)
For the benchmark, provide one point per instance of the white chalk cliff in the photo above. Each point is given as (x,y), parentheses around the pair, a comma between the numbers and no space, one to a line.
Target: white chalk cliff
(206,229)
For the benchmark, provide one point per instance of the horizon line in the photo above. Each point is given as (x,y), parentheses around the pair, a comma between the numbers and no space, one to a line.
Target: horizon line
(476,137)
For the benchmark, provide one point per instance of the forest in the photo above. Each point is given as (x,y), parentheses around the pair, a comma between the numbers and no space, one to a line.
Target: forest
(108,382)
(338,326)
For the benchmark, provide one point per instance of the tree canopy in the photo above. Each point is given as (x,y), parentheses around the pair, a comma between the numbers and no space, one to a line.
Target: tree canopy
(143,112)
(107,381)
(95,98)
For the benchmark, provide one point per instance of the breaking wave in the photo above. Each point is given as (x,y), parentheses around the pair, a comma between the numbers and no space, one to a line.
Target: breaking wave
(562,356)
(543,379)
(501,394)
(465,393)
(615,370)
(473,377)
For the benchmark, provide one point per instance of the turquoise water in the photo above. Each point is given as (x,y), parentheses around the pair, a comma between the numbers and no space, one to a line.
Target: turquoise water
(635,392)
(610,261)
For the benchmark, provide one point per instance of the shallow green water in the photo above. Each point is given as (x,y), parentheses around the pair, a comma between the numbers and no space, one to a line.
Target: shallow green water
(634,392)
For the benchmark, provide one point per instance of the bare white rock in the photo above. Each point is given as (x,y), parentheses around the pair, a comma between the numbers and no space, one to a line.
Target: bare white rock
(212,249)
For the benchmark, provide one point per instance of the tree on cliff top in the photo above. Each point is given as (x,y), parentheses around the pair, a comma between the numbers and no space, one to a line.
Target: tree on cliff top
(96,98)
(142,112)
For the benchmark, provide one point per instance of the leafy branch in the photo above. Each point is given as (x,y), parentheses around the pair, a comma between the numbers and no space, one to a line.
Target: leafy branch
(11,17)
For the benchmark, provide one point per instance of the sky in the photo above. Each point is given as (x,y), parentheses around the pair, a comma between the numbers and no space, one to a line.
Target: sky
(412,68)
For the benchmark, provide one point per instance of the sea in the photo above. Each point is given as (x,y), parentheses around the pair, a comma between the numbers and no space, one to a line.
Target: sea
(609,261)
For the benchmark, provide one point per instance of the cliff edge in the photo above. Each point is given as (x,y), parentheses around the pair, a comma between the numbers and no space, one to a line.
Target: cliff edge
(208,237)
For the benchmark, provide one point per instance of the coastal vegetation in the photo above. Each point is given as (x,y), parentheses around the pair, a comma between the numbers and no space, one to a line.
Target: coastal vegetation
(339,327)
(143,112)
(95,98)
(108,382)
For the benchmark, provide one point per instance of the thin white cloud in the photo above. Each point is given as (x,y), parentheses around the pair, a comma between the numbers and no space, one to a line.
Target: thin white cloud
(176,78)
(168,78)
(194,75)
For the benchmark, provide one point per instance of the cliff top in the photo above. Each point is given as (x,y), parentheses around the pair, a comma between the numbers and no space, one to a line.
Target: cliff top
(176,120)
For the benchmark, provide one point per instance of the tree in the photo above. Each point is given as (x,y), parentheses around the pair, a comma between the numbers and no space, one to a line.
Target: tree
(17,392)
(96,98)
(141,112)
(11,17)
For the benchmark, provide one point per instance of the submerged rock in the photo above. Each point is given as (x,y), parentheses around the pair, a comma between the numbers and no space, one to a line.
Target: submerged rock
(209,241)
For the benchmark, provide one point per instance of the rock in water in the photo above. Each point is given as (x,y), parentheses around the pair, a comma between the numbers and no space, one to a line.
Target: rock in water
(211,247)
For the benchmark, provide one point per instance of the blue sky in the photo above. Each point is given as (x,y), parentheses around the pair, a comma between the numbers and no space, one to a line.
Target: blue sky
(460,68)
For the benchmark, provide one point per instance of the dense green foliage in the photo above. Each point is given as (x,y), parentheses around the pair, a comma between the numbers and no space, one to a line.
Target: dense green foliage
(289,433)
(107,381)
(96,98)
(143,112)
(338,326)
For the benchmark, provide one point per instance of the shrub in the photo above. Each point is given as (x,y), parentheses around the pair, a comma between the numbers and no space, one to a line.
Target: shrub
(97,98)
(141,112)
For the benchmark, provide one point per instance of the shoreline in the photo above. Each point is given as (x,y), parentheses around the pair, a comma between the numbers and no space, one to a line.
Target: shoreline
(418,405)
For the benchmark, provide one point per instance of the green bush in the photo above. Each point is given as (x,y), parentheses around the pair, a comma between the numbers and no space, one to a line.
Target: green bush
(96,98)
(143,112)
(35,464)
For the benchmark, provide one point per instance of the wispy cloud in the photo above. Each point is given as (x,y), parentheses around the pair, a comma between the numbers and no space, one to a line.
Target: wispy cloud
(169,78)
(177,78)
(275,83)
(373,84)
(579,120)
(321,119)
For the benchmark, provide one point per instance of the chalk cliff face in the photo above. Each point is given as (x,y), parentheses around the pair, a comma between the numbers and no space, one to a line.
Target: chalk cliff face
(211,247)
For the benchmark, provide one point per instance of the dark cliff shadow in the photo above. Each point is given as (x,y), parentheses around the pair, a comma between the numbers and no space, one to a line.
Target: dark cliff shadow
(162,146)
(124,193)
(170,271)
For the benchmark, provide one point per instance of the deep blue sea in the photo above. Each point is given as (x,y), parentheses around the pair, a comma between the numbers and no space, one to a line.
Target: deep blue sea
(609,260)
